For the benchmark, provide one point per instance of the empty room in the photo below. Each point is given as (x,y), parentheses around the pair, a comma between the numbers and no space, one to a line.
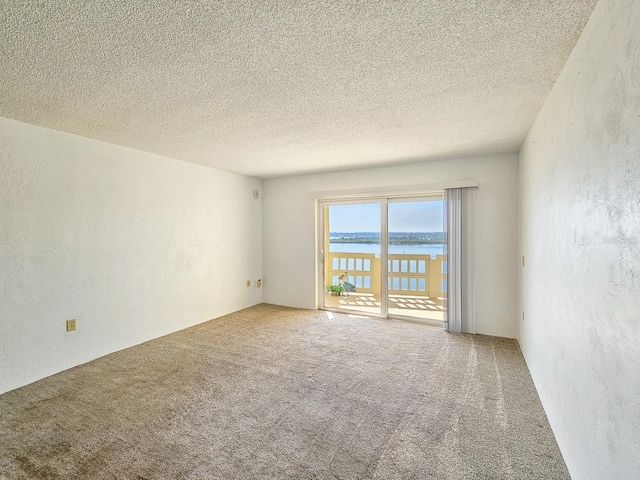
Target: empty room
(298,239)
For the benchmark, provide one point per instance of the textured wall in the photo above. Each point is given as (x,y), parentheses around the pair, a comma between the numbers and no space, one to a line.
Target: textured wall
(580,232)
(131,244)
(289,230)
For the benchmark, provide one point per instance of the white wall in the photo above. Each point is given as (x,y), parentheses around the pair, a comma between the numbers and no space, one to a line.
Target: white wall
(580,232)
(132,245)
(289,230)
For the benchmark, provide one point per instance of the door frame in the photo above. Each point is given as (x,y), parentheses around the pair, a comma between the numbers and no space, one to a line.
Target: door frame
(320,293)
(384,201)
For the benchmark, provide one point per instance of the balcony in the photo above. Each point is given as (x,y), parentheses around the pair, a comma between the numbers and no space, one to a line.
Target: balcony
(416,284)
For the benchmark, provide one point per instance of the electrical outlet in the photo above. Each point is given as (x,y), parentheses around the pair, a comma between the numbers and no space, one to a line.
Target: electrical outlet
(259,283)
(71,325)
(248,283)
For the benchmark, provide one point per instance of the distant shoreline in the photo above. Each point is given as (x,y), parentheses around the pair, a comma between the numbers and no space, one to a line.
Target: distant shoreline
(392,241)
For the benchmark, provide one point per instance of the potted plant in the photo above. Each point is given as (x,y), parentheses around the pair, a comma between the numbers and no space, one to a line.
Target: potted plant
(335,290)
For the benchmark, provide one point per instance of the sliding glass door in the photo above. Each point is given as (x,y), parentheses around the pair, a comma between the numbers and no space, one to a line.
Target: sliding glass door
(416,264)
(352,249)
(384,257)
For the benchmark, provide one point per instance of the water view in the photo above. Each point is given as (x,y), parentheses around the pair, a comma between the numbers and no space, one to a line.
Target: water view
(414,243)
(433,250)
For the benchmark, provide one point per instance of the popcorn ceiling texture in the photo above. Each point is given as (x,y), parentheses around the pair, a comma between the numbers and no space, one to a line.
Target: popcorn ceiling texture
(281,87)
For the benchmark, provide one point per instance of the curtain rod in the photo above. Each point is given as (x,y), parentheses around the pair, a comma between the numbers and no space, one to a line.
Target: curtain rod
(392,191)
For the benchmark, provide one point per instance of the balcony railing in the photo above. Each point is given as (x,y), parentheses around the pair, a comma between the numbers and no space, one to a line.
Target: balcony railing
(417,275)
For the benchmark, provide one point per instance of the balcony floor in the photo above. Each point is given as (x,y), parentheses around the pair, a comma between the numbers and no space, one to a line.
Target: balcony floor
(421,308)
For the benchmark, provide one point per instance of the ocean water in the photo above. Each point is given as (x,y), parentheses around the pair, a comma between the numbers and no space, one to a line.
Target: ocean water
(433,249)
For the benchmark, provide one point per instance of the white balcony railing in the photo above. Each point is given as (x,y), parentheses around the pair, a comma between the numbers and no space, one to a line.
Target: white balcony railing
(418,275)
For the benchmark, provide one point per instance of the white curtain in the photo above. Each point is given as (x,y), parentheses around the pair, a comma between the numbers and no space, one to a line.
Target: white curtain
(459,223)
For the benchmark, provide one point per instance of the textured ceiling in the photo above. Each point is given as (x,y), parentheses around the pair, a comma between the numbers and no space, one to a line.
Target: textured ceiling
(268,88)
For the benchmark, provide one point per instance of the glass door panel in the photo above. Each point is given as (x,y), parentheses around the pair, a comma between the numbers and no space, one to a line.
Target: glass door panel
(416,264)
(352,263)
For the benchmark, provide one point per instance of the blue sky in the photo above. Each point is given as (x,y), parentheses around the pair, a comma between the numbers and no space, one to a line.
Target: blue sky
(403,217)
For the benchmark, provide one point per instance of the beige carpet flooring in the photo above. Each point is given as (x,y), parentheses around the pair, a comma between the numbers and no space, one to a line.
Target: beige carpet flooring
(273,392)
